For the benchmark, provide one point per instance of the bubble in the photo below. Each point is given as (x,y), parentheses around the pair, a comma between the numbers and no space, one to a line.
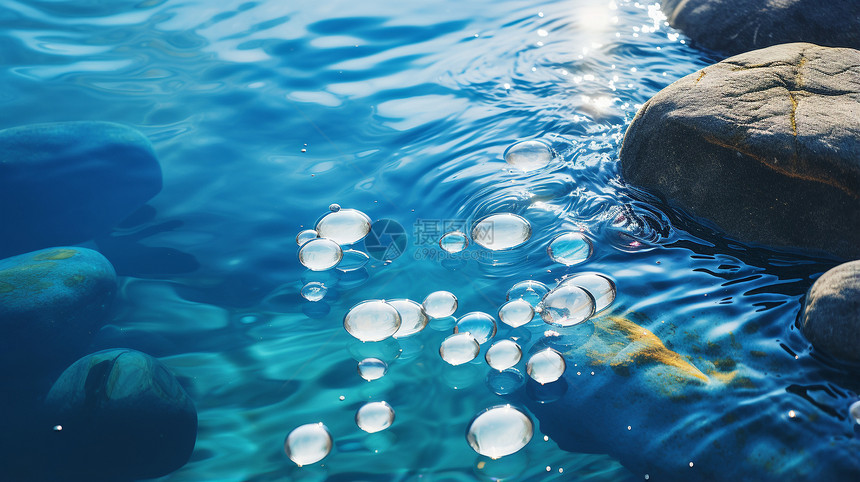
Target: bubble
(499,431)
(854,410)
(566,305)
(440,304)
(503,355)
(305,236)
(516,312)
(334,207)
(459,348)
(314,291)
(58,428)
(453,242)
(372,320)
(372,369)
(345,226)
(529,155)
(373,417)
(412,317)
(353,260)
(569,249)
(320,254)
(481,325)
(601,288)
(308,444)
(501,231)
(529,290)
(545,366)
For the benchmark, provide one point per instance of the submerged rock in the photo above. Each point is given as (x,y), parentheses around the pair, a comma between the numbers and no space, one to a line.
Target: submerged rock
(67,182)
(831,313)
(735,26)
(119,415)
(765,144)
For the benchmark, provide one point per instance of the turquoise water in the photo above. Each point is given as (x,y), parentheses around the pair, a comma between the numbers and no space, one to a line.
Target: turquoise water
(264,113)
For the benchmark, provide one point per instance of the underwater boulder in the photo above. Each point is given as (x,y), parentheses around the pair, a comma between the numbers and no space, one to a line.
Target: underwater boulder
(119,415)
(831,313)
(765,144)
(735,26)
(67,182)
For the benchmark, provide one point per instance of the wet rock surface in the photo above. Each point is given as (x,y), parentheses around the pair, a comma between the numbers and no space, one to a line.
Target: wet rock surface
(831,313)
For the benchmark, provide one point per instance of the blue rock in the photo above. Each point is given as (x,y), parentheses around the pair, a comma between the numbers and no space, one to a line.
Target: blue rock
(119,415)
(64,183)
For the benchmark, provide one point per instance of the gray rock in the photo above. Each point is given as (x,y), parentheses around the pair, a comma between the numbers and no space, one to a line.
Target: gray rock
(831,313)
(735,26)
(765,144)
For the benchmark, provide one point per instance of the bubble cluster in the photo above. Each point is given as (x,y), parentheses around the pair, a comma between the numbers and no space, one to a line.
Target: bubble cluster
(320,254)
(453,242)
(440,304)
(305,236)
(481,325)
(372,320)
(529,155)
(501,231)
(516,313)
(601,288)
(372,369)
(529,290)
(459,348)
(314,291)
(546,366)
(412,317)
(566,305)
(308,444)
(373,417)
(503,354)
(344,226)
(499,431)
(570,249)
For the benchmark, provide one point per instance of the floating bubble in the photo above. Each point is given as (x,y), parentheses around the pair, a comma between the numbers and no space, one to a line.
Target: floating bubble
(499,431)
(372,320)
(334,207)
(481,325)
(516,312)
(453,242)
(345,226)
(373,417)
(440,304)
(601,288)
(501,231)
(372,369)
(529,290)
(305,236)
(529,155)
(353,260)
(854,410)
(569,249)
(320,254)
(566,305)
(459,348)
(545,366)
(314,291)
(505,382)
(503,355)
(412,317)
(308,444)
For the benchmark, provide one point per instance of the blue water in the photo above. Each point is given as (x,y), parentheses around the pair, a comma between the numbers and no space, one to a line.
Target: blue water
(264,113)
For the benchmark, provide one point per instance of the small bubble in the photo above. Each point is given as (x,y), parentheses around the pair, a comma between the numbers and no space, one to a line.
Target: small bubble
(320,254)
(529,290)
(529,155)
(503,354)
(545,366)
(440,304)
(629,427)
(481,325)
(314,291)
(308,444)
(854,410)
(459,348)
(372,369)
(548,468)
(341,398)
(373,417)
(304,150)
(546,438)
(334,207)
(58,428)
(691,464)
(345,226)
(372,320)
(453,242)
(569,249)
(516,313)
(412,317)
(566,305)
(499,431)
(792,414)
(305,236)
(501,231)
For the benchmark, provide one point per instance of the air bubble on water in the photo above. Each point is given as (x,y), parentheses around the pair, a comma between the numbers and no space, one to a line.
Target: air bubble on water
(570,249)
(516,313)
(529,155)
(353,260)
(320,254)
(545,366)
(373,417)
(601,288)
(566,305)
(308,444)
(503,354)
(412,317)
(481,325)
(345,226)
(501,231)
(314,291)
(529,290)
(440,304)
(305,236)
(334,207)
(459,348)
(372,369)
(58,428)
(499,431)
(453,242)
(854,410)
(372,320)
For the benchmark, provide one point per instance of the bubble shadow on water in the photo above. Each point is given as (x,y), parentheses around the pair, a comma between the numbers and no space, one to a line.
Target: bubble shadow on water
(548,392)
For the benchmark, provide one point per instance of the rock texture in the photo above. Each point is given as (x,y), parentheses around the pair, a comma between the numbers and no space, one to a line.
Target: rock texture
(765,144)
(735,26)
(831,313)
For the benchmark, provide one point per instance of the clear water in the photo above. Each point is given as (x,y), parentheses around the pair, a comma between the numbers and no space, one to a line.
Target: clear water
(264,113)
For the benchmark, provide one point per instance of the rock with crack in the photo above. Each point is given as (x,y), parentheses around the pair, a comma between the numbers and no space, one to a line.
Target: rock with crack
(766,145)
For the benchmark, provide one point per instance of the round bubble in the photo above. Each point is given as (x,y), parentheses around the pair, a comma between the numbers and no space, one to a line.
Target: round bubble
(440,304)
(499,431)
(373,417)
(305,236)
(481,325)
(454,242)
(320,254)
(516,312)
(372,320)
(372,369)
(503,355)
(566,305)
(501,231)
(459,348)
(505,382)
(570,249)
(529,290)
(314,291)
(345,226)
(334,207)
(529,155)
(308,444)
(854,410)
(546,366)
(353,260)
(412,317)
(601,288)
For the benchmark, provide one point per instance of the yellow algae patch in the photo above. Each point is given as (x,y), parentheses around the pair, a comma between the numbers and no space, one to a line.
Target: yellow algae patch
(56,254)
